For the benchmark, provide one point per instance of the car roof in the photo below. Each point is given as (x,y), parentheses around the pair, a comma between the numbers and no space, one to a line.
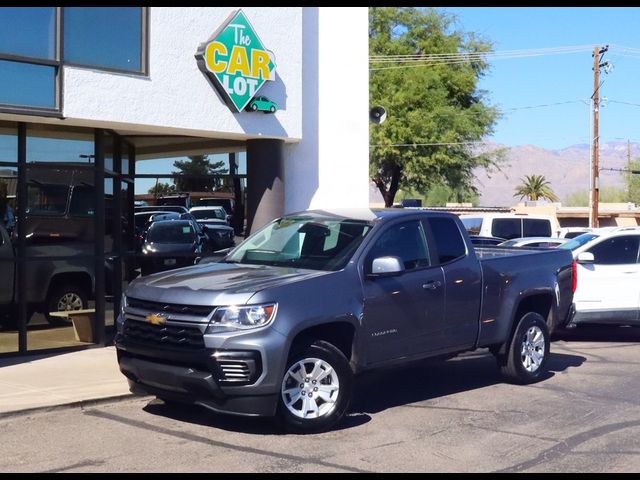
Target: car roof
(171,222)
(207,207)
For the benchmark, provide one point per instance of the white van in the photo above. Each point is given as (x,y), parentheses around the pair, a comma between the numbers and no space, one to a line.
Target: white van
(511,225)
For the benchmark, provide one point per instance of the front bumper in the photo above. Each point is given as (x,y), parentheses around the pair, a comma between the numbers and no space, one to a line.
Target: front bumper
(184,384)
(230,377)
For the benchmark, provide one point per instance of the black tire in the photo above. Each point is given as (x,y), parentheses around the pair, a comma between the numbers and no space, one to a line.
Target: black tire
(517,365)
(254,107)
(272,109)
(56,300)
(336,408)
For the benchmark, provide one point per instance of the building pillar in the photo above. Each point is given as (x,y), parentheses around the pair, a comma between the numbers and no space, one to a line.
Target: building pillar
(265,182)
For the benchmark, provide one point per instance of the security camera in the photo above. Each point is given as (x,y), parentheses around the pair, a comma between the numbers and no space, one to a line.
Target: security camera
(377,115)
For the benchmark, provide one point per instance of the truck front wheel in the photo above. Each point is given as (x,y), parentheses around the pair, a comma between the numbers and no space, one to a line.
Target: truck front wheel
(316,388)
(526,358)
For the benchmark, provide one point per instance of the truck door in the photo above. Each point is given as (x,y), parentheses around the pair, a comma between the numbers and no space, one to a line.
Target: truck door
(6,268)
(397,307)
(462,285)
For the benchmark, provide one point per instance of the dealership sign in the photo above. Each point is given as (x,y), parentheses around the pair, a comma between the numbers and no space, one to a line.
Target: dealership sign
(236,61)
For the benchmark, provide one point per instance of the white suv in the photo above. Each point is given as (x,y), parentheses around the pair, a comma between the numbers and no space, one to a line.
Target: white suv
(608,276)
(510,225)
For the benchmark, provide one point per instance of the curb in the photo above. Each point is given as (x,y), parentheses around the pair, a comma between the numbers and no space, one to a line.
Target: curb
(70,405)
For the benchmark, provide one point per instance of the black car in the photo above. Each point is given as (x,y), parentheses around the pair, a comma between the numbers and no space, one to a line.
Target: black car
(170,244)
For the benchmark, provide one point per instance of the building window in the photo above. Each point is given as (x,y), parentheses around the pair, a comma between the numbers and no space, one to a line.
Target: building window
(104,37)
(27,84)
(28,31)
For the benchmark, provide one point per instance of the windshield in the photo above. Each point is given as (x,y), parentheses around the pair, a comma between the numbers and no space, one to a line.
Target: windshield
(217,213)
(304,241)
(578,241)
(171,232)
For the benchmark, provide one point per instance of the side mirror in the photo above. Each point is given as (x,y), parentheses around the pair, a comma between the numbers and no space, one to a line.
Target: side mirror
(386,266)
(585,257)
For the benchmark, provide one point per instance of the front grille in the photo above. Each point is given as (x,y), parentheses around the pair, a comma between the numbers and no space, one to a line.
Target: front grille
(176,336)
(159,307)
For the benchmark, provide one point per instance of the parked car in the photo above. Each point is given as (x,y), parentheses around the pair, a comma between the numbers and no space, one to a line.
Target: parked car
(486,241)
(608,276)
(510,225)
(227,203)
(170,244)
(572,232)
(283,323)
(535,242)
(210,215)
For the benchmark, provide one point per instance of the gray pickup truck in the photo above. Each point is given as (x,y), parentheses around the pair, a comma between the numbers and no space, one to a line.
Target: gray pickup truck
(280,326)
(52,285)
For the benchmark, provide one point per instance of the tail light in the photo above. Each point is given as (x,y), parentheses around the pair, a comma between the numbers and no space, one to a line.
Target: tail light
(574,276)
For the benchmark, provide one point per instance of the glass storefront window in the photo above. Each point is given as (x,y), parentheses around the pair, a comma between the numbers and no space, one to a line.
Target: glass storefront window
(109,37)
(53,144)
(28,31)
(25,84)
(8,142)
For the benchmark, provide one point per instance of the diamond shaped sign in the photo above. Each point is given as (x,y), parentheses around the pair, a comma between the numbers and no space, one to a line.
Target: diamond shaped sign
(236,61)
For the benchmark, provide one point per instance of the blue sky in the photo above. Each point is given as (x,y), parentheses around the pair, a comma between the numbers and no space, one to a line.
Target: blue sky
(531,81)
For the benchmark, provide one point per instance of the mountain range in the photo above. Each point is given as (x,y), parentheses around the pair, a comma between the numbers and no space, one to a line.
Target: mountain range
(567,170)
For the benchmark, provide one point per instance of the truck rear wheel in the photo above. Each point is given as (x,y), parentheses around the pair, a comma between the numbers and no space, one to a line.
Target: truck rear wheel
(64,298)
(316,388)
(526,358)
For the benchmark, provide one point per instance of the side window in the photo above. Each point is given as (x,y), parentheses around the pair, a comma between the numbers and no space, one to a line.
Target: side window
(536,227)
(506,228)
(405,240)
(449,241)
(616,250)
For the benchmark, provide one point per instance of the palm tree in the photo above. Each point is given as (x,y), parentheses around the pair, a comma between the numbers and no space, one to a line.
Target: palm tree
(535,187)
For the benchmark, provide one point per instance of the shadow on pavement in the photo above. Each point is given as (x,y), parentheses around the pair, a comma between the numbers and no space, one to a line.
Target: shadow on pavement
(378,391)
(429,379)
(599,333)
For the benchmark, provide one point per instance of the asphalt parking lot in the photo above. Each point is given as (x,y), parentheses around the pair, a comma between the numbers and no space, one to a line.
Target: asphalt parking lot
(434,416)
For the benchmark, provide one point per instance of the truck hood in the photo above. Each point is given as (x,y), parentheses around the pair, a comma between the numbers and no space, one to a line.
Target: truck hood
(215,283)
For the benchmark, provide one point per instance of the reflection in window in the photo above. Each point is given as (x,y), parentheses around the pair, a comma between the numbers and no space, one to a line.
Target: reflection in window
(50,144)
(82,201)
(8,142)
(28,31)
(108,37)
(24,84)
(46,199)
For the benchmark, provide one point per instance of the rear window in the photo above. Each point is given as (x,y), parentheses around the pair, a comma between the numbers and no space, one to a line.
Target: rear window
(507,228)
(536,227)
(449,242)
(171,232)
(472,225)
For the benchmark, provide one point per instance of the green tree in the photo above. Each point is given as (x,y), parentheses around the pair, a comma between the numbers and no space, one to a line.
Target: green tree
(580,198)
(162,189)
(434,104)
(535,187)
(197,170)
(632,180)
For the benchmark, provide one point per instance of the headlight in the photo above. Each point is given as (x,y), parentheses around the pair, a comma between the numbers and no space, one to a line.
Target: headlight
(242,318)
(123,304)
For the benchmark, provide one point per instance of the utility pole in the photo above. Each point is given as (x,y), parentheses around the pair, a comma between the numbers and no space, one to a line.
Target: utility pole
(593,213)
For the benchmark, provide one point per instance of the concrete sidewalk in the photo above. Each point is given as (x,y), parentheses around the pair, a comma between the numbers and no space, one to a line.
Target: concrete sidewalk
(28,383)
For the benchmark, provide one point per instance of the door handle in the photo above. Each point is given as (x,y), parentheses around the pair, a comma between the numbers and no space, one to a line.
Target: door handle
(432,285)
